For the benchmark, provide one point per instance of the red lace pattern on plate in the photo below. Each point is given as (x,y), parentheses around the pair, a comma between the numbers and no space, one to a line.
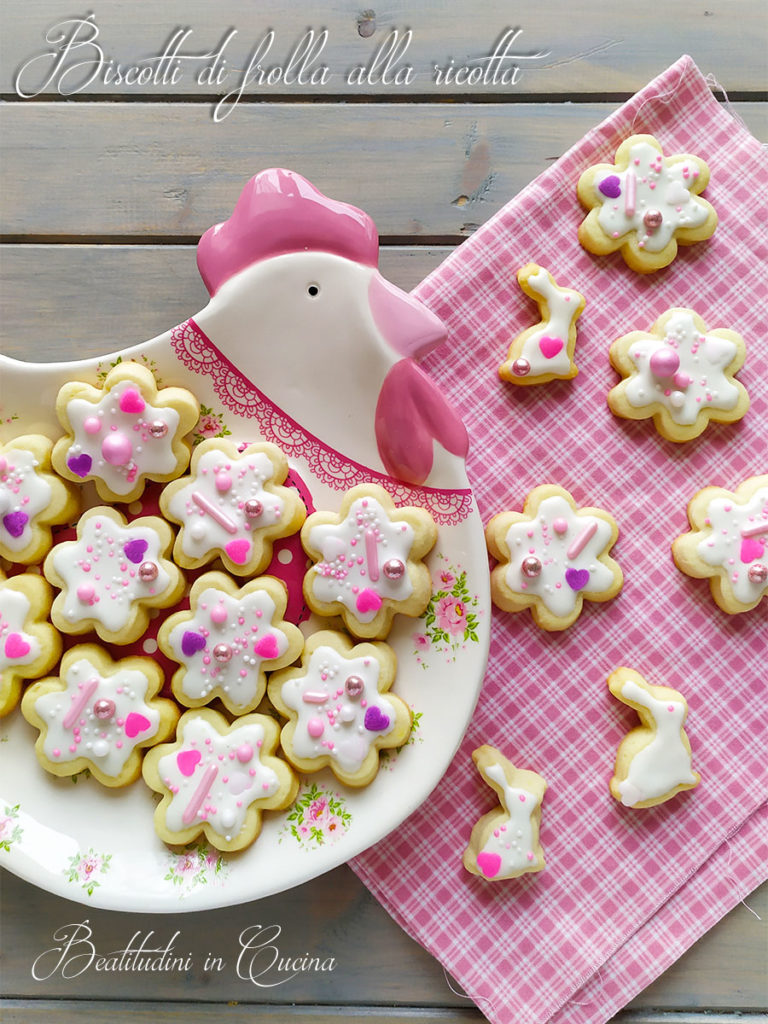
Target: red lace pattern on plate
(198,353)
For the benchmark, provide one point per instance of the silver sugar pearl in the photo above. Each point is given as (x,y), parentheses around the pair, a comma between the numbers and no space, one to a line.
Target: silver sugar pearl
(394,569)
(253,508)
(652,220)
(354,686)
(158,429)
(758,573)
(148,572)
(104,708)
(531,567)
(521,367)
(222,653)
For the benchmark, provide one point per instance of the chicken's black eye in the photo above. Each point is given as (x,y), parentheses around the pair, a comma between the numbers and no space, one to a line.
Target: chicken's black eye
(313,290)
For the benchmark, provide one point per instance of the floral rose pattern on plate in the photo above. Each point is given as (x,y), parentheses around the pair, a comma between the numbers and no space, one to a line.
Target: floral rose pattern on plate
(317,818)
(84,869)
(451,617)
(196,864)
(102,370)
(10,829)
(389,757)
(210,424)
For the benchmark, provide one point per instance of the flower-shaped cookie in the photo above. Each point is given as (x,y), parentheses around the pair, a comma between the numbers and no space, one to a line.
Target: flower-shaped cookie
(679,373)
(505,842)
(112,575)
(368,561)
(645,204)
(99,714)
(218,778)
(340,713)
(125,434)
(29,645)
(728,543)
(228,641)
(653,762)
(552,557)
(545,352)
(32,499)
(232,506)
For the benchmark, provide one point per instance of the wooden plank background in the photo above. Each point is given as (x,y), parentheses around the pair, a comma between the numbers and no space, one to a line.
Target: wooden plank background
(104,193)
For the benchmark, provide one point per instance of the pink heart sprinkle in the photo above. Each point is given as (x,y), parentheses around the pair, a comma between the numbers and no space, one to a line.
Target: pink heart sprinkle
(489,863)
(550,346)
(751,548)
(239,551)
(368,601)
(267,647)
(136,723)
(16,646)
(187,761)
(131,401)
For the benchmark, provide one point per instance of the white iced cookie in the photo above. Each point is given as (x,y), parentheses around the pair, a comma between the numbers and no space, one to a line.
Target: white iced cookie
(218,779)
(728,543)
(29,645)
(552,557)
(228,640)
(645,204)
(368,561)
(125,434)
(681,374)
(112,575)
(98,714)
(32,499)
(340,713)
(232,506)
(505,842)
(653,762)
(545,351)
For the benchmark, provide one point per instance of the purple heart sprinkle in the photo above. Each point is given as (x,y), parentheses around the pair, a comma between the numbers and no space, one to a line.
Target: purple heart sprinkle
(375,719)
(135,550)
(191,643)
(577,579)
(610,186)
(80,465)
(15,522)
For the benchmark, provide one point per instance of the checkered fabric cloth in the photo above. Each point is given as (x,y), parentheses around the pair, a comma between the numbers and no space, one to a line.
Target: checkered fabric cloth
(625,892)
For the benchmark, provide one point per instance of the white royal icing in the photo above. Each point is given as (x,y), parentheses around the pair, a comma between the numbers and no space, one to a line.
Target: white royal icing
(550,537)
(100,571)
(664,763)
(214,778)
(113,439)
(212,506)
(24,494)
(224,644)
(658,187)
(512,839)
(698,383)
(332,722)
(563,306)
(355,556)
(16,646)
(74,729)
(736,541)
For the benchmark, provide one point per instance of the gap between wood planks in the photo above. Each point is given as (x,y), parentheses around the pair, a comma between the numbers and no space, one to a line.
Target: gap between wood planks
(105,1012)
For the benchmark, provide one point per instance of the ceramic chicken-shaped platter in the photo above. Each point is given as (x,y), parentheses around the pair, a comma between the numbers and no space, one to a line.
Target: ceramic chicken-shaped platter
(305,345)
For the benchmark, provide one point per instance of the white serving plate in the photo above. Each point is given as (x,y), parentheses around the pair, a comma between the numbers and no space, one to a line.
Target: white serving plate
(78,839)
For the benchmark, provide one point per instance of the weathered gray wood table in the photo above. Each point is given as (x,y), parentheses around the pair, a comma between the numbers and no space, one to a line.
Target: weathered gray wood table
(110,176)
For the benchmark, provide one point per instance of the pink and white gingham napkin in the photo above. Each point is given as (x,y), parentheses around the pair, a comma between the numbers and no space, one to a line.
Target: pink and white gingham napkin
(624,892)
